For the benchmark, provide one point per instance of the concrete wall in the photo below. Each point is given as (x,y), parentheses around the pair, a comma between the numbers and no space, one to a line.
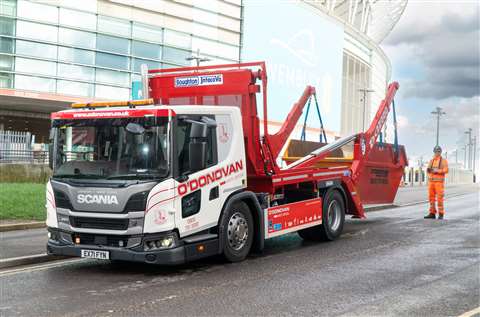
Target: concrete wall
(24,173)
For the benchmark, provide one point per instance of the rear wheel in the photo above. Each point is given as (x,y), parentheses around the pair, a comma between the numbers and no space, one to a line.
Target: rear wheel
(333,218)
(237,226)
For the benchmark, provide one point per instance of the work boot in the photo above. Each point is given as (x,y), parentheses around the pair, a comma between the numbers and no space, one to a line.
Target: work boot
(440,216)
(429,216)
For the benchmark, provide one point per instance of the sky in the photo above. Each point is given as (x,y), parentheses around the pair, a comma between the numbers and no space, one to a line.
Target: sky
(435,54)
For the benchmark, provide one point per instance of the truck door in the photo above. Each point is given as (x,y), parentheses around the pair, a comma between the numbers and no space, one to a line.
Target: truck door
(198,203)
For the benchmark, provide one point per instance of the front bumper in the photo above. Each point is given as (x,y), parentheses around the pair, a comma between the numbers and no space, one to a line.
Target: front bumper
(182,253)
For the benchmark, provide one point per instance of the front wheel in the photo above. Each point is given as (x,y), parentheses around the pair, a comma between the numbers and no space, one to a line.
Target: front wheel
(237,227)
(333,219)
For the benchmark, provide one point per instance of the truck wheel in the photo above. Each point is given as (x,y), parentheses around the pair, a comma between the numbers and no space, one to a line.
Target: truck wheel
(237,225)
(333,218)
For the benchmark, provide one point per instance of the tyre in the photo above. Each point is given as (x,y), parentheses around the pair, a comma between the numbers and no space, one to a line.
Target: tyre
(333,219)
(238,229)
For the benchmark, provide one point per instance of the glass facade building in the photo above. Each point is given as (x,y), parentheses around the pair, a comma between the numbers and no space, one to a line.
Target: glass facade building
(47,47)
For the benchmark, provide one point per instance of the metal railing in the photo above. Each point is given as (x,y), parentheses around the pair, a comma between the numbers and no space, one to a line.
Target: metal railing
(23,157)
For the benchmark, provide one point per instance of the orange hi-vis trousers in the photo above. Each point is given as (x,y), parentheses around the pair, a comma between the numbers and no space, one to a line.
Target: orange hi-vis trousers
(436,190)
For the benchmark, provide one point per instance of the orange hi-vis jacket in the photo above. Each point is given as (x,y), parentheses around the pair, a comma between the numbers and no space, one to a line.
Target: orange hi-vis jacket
(442,165)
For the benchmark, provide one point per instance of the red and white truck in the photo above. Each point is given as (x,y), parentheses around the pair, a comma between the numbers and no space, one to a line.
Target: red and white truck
(191,171)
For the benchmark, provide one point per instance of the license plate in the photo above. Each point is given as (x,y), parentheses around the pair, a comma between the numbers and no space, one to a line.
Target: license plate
(95,254)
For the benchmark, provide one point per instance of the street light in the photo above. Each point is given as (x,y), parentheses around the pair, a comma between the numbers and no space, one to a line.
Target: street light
(198,58)
(364,91)
(438,112)
(469,132)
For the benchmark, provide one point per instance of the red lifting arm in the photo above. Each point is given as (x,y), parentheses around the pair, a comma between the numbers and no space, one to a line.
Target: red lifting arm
(278,140)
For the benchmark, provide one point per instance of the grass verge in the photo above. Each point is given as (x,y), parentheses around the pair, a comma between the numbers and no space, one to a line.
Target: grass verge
(22,201)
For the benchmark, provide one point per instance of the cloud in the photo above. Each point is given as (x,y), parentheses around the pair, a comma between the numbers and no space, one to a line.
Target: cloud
(444,41)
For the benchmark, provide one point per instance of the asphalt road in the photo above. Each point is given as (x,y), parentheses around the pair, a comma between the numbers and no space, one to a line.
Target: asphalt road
(393,263)
(28,242)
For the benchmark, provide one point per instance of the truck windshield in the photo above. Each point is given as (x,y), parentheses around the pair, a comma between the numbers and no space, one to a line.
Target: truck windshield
(120,148)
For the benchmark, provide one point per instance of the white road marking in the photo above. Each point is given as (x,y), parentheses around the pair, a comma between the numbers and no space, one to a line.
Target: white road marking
(40,267)
(471,312)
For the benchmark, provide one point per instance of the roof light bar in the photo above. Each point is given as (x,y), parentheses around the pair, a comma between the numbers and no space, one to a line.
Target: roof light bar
(106,104)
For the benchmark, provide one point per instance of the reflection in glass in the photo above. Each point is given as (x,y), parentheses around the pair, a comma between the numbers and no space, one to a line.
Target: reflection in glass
(75,55)
(137,62)
(112,77)
(6,80)
(175,55)
(75,72)
(147,32)
(109,92)
(36,49)
(77,38)
(36,31)
(7,26)
(78,19)
(112,61)
(74,88)
(6,62)
(112,44)
(6,45)
(34,66)
(146,50)
(34,83)
(114,26)
(37,11)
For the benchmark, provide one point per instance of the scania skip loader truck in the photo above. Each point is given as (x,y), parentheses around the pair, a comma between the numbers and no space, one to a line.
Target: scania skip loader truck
(191,171)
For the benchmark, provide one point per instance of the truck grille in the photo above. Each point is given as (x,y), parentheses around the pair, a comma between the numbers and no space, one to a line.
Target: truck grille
(99,223)
(92,239)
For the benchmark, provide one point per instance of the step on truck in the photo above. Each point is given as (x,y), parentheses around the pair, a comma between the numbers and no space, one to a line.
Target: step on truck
(191,171)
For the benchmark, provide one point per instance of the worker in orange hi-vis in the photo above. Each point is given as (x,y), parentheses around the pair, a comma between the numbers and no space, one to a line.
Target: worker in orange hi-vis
(437,169)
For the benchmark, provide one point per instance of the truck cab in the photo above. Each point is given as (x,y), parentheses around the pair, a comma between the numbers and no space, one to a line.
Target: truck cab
(135,181)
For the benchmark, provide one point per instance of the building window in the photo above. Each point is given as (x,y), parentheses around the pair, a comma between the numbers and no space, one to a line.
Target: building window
(37,11)
(75,72)
(6,62)
(177,39)
(7,26)
(77,38)
(147,32)
(74,88)
(33,66)
(78,19)
(112,44)
(36,49)
(112,77)
(109,92)
(6,80)
(34,83)
(112,61)
(175,55)
(6,45)
(137,63)
(75,55)
(147,50)
(8,7)
(36,31)
(114,26)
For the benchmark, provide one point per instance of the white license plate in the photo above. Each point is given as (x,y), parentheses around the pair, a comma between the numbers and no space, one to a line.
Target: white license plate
(95,254)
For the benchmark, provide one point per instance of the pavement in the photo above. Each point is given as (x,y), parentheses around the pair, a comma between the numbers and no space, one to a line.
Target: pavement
(392,263)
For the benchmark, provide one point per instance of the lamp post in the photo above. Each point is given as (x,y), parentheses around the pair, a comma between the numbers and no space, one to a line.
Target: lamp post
(469,132)
(198,58)
(439,113)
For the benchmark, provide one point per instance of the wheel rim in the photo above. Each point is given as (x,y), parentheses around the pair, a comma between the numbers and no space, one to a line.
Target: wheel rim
(334,215)
(237,231)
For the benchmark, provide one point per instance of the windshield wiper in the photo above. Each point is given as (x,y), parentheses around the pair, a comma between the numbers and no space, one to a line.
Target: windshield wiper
(78,176)
(138,175)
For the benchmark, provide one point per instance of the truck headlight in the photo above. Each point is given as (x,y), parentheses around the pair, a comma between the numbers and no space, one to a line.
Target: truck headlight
(165,242)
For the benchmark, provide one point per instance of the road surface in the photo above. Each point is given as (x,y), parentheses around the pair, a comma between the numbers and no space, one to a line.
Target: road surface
(393,263)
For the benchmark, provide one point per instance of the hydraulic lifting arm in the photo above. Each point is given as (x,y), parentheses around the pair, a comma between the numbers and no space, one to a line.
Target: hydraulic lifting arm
(278,140)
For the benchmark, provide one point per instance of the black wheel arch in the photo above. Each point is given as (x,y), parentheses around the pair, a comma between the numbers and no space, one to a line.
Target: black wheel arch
(250,199)
(337,185)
